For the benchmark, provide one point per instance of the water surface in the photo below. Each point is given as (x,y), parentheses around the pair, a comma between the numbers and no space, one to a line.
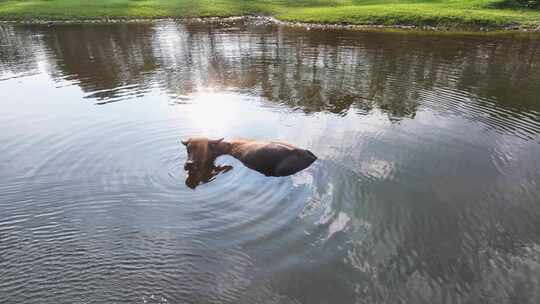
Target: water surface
(426,189)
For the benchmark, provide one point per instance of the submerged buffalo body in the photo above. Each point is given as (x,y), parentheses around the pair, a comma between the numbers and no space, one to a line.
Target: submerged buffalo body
(268,158)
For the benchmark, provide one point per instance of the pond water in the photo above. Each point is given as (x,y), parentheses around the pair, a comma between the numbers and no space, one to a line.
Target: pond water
(426,190)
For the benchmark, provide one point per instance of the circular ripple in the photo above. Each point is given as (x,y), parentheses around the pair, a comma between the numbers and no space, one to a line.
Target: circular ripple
(104,208)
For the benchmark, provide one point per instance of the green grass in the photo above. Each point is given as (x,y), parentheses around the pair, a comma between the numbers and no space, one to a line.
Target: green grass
(388,12)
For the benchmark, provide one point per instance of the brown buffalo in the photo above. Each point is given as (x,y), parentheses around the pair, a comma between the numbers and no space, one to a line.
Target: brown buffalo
(269,158)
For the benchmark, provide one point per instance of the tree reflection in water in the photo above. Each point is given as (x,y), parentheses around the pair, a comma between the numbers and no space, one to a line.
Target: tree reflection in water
(400,227)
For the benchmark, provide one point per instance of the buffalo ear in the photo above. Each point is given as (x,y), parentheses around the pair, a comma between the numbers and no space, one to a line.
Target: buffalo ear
(185,142)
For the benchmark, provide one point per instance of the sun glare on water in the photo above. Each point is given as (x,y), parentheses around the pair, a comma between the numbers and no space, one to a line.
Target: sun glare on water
(215,113)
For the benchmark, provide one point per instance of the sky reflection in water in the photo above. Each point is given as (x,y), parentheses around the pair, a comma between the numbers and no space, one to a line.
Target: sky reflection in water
(425,191)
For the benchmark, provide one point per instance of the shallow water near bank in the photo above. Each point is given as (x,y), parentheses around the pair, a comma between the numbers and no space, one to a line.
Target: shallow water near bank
(426,189)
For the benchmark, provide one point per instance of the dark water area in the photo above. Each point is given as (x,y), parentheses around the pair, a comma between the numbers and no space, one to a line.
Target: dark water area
(426,190)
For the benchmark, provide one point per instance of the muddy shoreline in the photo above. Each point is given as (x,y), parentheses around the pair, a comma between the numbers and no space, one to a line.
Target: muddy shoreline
(459,28)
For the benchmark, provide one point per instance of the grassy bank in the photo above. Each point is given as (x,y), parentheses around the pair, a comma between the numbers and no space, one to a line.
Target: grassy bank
(496,13)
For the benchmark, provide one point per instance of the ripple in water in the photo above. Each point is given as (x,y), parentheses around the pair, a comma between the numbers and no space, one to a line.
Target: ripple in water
(426,187)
